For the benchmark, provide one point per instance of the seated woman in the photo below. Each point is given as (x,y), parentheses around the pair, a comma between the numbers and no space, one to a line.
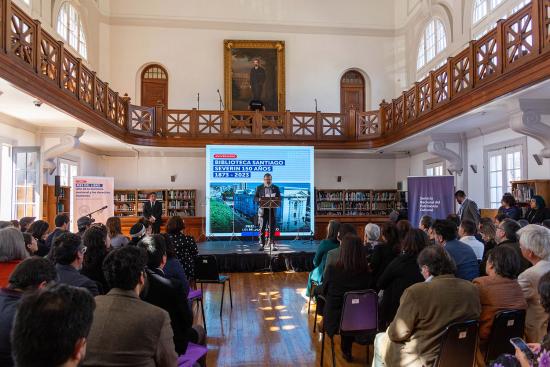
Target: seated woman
(385,252)
(400,274)
(114,228)
(538,211)
(498,291)
(350,273)
(320,259)
(372,235)
(185,246)
(509,207)
(95,240)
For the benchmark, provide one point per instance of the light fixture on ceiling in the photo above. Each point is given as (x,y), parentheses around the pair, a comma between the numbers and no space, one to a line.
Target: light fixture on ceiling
(538,159)
(37,103)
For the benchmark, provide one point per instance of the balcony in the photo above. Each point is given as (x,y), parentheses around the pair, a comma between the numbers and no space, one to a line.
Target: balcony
(512,56)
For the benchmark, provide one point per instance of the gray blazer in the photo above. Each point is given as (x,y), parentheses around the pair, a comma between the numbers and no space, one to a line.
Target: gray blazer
(469,210)
(67,274)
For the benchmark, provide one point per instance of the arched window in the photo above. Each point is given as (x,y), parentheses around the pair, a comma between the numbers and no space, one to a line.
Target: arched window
(484,7)
(432,42)
(154,86)
(69,27)
(352,92)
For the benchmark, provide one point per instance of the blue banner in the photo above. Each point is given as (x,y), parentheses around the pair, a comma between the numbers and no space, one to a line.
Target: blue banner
(433,196)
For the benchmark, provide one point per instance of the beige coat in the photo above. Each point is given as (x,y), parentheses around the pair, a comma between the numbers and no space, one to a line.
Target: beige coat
(127,331)
(536,319)
(426,309)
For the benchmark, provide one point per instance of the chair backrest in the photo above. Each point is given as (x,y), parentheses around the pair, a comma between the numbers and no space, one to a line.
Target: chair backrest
(206,268)
(506,325)
(359,312)
(458,345)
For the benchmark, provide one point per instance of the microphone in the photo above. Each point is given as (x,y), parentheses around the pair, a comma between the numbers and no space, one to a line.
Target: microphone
(222,106)
(198,101)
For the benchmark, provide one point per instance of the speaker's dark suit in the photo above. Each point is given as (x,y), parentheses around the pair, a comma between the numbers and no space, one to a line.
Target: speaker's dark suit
(262,191)
(154,210)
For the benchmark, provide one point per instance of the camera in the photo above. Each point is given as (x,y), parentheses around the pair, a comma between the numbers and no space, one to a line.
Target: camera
(37,103)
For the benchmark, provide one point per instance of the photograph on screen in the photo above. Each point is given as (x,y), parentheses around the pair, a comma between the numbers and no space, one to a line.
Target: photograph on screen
(234,173)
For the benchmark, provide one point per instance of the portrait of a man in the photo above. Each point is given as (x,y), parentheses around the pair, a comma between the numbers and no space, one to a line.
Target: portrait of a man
(254,75)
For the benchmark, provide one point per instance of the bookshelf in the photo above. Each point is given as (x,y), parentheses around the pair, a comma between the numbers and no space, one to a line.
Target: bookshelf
(358,202)
(51,206)
(129,203)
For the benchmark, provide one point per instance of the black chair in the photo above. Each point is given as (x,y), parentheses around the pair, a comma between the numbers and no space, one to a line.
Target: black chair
(458,345)
(206,271)
(359,318)
(313,285)
(506,325)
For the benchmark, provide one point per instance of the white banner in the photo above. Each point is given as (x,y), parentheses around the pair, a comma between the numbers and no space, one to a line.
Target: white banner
(91,194)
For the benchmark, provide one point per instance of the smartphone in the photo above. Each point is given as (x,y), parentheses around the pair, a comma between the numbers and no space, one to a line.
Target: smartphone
(521,345)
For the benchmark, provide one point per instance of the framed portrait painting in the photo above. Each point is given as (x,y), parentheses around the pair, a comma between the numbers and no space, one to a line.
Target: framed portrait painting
(254,75)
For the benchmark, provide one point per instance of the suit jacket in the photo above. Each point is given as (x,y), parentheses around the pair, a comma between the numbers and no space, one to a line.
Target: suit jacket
(382,255)
(260,192)
(9,299)
(169,294)
(536,319)
(400,274)
(67,274)
(467,267)
(496,294)
(335,284)
(129,332)
(469,210)
(536,216)
(426,309)
(153,210)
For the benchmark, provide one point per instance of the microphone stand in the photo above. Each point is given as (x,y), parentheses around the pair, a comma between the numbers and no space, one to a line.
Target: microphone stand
(222,106)
(95,211)
(198,101)
(316,109)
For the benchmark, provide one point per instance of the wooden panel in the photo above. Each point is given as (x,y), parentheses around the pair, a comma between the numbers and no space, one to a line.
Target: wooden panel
(520,40)
(23,33)
(359,222)
(69,74)
(154,92)
(461,73)
(486,58)
(49,57)
(193,225)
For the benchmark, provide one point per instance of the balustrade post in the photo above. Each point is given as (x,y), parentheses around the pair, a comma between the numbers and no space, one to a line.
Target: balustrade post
(431,82)
(78,71)
(449,67)
(116,107)
(404,109)
(501,52)
(382,117)
(287,124)
(319,125)
(160,120)
(126,112)
(60,64)
(350,124)
(226,123)
(193,122)
(257,124)
(472,63)
(106,101)
(5,10)
(37,44)
(416,100)
(537,13)
(94,83)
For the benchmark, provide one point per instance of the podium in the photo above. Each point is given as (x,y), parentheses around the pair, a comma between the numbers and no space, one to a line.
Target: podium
(271,203)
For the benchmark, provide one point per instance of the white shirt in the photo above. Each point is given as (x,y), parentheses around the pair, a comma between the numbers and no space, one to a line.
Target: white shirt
(475,245)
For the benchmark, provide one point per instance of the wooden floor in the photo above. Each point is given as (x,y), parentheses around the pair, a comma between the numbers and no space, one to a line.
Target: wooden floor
(268,325)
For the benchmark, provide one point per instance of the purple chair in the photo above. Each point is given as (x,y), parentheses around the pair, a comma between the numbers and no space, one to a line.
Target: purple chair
(193,353)
(359,318)
(196,295)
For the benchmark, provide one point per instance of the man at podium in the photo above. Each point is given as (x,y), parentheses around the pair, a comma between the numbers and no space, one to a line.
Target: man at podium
(267,216)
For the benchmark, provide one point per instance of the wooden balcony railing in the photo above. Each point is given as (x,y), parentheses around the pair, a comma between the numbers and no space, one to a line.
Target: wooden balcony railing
(511,56)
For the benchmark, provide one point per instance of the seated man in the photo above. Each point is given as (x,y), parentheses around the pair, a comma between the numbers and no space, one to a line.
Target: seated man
(127,331)
(170,295)
(31,274)
(51,327)
(464,257)
(467,233)
(425,310)
(68,255)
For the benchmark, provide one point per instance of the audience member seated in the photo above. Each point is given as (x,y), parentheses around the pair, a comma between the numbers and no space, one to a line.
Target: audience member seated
(400,274)
(498,291)
(31,274)
(186,247)
(488,231)
(173,268)
(147,224)
(385,252)
(15,224)
(506,235)
(51,327)
(320,259)
(334,254)
(464,257)
(534,241)
(350,273)
(537,211)
(39,231)
(126,330)
(5,224)
(467,232)
(372,236)
(68,255)
(499,218)
(82,224)
(12,252)
(137,232)
(546,223)
(95,242)
(454,218)
(509,207)
(30,243)
(426,223)
(25,223)
(61,226)
(403,228)
(169,294)
(540,349)
(426,309)
(116,237)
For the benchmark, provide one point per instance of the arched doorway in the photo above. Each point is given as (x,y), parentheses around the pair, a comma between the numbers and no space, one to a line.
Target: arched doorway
(154,86)
(352,92)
